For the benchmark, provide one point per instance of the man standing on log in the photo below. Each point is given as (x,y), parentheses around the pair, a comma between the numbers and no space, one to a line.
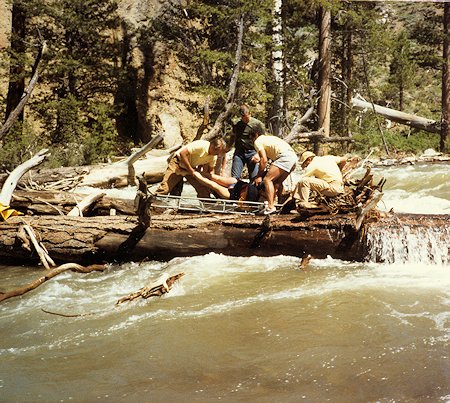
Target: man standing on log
(196,156)
(241,138)
(322,175)
(283,159)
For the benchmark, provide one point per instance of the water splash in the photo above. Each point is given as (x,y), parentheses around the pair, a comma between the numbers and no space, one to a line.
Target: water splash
(406,245)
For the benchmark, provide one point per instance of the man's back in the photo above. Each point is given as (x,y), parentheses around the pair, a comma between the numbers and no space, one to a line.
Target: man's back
(325,168)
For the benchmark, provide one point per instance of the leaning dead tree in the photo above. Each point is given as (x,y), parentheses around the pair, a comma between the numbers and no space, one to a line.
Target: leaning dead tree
(417,122)
(232,89)
(13,178)
(26,94)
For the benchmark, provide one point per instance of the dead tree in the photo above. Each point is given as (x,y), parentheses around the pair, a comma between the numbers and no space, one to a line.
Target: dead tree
(232,89)
(415,121)
(26,94)
(11,183)
(324,107)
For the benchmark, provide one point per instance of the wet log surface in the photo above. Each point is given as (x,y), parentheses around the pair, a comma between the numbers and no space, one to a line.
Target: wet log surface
(98,239)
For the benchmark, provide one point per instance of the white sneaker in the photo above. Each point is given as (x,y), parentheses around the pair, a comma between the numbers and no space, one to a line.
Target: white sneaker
(269,210)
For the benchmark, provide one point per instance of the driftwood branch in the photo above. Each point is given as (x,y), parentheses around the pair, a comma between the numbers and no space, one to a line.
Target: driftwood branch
(156,288)
(135,156)
(376,197)
(14,177)
(81,208)
(54,272)
(45,258)
(26,94)
(232,89)
(305,262)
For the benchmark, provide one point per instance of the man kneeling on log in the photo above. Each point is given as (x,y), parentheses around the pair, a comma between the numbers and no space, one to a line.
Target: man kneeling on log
(322,175)
(196,156)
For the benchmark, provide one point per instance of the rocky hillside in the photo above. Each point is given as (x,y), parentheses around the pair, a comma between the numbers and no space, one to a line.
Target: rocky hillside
(163,103)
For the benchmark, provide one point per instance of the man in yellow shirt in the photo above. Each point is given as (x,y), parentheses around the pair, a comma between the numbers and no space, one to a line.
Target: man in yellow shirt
(283,163)
(196,156)
(322,175)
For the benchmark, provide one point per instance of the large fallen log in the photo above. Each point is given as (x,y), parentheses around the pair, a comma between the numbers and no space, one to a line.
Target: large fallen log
(87,240)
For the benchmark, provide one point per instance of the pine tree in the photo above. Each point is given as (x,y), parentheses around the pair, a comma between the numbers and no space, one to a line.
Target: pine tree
(81,75)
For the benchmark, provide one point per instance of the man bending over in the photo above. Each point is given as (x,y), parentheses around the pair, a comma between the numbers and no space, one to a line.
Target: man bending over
(196,156)
(322,175)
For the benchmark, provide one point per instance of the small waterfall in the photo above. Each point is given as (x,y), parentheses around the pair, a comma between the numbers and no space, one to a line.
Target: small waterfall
(403,244)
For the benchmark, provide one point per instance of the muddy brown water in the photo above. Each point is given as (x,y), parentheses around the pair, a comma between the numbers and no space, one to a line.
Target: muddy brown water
(241,329)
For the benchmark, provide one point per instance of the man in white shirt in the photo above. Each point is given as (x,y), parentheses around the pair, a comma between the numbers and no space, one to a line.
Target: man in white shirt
(200,155)
(322,175)
(283,159)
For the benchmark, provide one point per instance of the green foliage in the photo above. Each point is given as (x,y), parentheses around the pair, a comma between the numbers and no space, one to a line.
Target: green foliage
(19,145)
(80,78)
(101,142)
(204,35)
(395,51)
(399,140)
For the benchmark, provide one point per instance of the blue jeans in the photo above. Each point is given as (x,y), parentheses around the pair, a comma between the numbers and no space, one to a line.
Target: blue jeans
(241,158)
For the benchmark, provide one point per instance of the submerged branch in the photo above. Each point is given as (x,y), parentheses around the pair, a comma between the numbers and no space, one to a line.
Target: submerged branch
(52,273)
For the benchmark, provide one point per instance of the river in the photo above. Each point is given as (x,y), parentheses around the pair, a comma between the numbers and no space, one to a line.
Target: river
(242,329)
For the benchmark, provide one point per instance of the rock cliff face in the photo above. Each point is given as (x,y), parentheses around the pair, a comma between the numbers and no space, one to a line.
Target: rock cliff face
(160,101)
(5,27)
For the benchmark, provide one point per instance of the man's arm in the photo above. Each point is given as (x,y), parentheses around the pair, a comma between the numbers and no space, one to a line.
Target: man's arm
(341,161)
(262,164)
(184,157)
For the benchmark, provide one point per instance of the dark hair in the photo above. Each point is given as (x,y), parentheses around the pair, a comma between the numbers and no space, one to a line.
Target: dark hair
(218,142)
(244,110)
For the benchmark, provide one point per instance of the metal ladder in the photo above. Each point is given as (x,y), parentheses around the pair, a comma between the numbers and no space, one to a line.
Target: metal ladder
(204,205)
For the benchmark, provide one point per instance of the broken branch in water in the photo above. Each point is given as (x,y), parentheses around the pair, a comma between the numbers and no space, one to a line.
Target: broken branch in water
(160,286)
(52,273)
(305,262)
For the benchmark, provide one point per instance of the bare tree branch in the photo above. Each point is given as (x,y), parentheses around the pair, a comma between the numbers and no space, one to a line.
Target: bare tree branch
(26,94)
(232,89)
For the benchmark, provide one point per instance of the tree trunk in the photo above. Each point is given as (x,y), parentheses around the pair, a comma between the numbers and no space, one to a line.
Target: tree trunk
(26,94)
(324,106)
(36,202)
(277,110)
(445,81)
(417,122)
(13,178)
(17,63)
(348,80)
(97,239)
(102,176)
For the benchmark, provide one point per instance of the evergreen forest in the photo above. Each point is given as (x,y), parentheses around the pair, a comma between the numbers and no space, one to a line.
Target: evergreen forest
(106,73)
